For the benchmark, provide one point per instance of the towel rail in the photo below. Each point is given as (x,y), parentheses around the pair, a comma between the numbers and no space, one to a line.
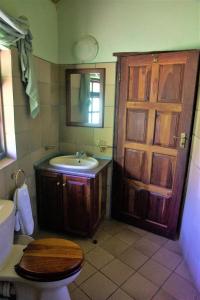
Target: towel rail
(20,177)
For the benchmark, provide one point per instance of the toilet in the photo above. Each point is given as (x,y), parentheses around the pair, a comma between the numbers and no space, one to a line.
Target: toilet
(41,270)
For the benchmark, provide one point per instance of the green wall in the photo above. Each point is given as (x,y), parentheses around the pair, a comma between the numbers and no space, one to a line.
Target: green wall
(118,25)
(128,25)
(42,16)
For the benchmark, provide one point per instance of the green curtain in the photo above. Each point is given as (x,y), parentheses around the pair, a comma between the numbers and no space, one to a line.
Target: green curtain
(15,32)
(84,96)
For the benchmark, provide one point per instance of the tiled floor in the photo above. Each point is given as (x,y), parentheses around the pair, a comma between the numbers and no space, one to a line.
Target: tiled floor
(130,263)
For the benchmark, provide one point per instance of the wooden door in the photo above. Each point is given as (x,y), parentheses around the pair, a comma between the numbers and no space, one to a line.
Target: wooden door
(76,197)
(155,106)
(49,200)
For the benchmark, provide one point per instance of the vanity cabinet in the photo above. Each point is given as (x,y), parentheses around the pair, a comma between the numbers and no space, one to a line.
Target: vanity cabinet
(70,203)
(50,202)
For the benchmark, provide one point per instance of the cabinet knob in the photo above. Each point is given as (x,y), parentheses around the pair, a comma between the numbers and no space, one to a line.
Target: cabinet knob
(58,183)
(64,184)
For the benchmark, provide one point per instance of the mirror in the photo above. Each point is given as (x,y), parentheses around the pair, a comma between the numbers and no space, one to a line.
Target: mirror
(85,97)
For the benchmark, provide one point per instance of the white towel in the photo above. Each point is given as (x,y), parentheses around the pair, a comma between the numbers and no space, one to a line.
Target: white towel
(6,289)
(23,216)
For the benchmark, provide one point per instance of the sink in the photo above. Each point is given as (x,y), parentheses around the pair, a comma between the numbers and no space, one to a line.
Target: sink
(7,219)
(72,162)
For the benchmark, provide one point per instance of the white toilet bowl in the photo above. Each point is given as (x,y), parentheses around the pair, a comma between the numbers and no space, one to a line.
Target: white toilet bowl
(56,290)
(29,285)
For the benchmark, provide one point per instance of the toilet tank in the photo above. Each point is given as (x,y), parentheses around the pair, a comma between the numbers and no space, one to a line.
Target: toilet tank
(7,223)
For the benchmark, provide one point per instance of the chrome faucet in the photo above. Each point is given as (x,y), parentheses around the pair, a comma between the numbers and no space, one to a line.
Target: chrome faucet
(80,154)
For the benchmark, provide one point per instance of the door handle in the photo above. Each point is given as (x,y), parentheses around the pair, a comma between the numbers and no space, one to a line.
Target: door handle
(64,184)
(182,138)
(58,183)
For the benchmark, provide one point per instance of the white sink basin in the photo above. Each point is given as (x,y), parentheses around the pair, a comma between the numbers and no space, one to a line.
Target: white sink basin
(72,162)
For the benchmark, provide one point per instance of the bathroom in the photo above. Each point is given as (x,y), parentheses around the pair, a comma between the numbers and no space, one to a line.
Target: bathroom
(118,26)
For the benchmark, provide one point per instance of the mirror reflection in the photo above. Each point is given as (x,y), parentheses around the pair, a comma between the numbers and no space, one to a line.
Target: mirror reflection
(85,90)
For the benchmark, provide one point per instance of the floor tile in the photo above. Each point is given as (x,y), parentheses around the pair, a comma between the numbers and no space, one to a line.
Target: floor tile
(128,236)
(85,244)
(173,246)
(112,227)
(139,287)
(77,294)
(162,295)
(183,271)
(101,236)
(114,246)
(99,257)
(137,230)
(146,246)
(86,272)
(117,271)
(72,287)
(180,288)
(120,295)
(160,240)
(133,258)
(167,258)
(154,272)
(98,287)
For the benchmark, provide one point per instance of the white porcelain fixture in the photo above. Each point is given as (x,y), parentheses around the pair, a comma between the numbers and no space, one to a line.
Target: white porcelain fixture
(72,162)
(7,212)
(10,255)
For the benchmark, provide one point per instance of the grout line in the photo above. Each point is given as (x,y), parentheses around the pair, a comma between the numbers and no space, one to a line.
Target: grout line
(118,257)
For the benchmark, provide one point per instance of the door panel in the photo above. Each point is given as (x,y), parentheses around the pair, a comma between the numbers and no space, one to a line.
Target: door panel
(134,163)
(155,105)
(139,82)
(170,84)
(163,167)
(166,128)
(49,204)
(135,201)
(136,125)
(76,198)
(158,209)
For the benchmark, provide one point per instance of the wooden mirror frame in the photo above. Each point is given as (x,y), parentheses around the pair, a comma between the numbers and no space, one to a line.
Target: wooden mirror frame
(68,72)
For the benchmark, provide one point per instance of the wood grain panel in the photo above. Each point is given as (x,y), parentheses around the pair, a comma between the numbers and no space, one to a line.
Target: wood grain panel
(49,210)
(163,167)
(139,81)
(157,106)
(134,164)
(136,125)
(151,148)
(76,196)
(50,259)
(158,209)
(135,201)
(150,187)
(154,82)
(168,112)
(166,128)
(170,83)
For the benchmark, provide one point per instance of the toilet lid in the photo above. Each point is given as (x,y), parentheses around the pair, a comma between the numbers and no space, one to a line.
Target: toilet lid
(50,260)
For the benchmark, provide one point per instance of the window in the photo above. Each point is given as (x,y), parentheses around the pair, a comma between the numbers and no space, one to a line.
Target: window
(94,107)
(2,135)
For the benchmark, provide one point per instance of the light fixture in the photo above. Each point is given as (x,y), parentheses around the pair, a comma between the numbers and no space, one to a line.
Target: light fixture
(85,49)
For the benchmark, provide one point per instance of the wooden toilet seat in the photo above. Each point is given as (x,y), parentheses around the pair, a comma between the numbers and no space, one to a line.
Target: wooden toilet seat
(50,259)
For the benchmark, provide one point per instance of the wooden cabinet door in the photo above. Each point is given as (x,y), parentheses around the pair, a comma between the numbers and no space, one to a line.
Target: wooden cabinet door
(49,200)
(76,199)
(155,108)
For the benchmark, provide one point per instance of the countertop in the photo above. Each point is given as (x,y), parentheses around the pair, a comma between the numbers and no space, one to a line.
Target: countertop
(92,173)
